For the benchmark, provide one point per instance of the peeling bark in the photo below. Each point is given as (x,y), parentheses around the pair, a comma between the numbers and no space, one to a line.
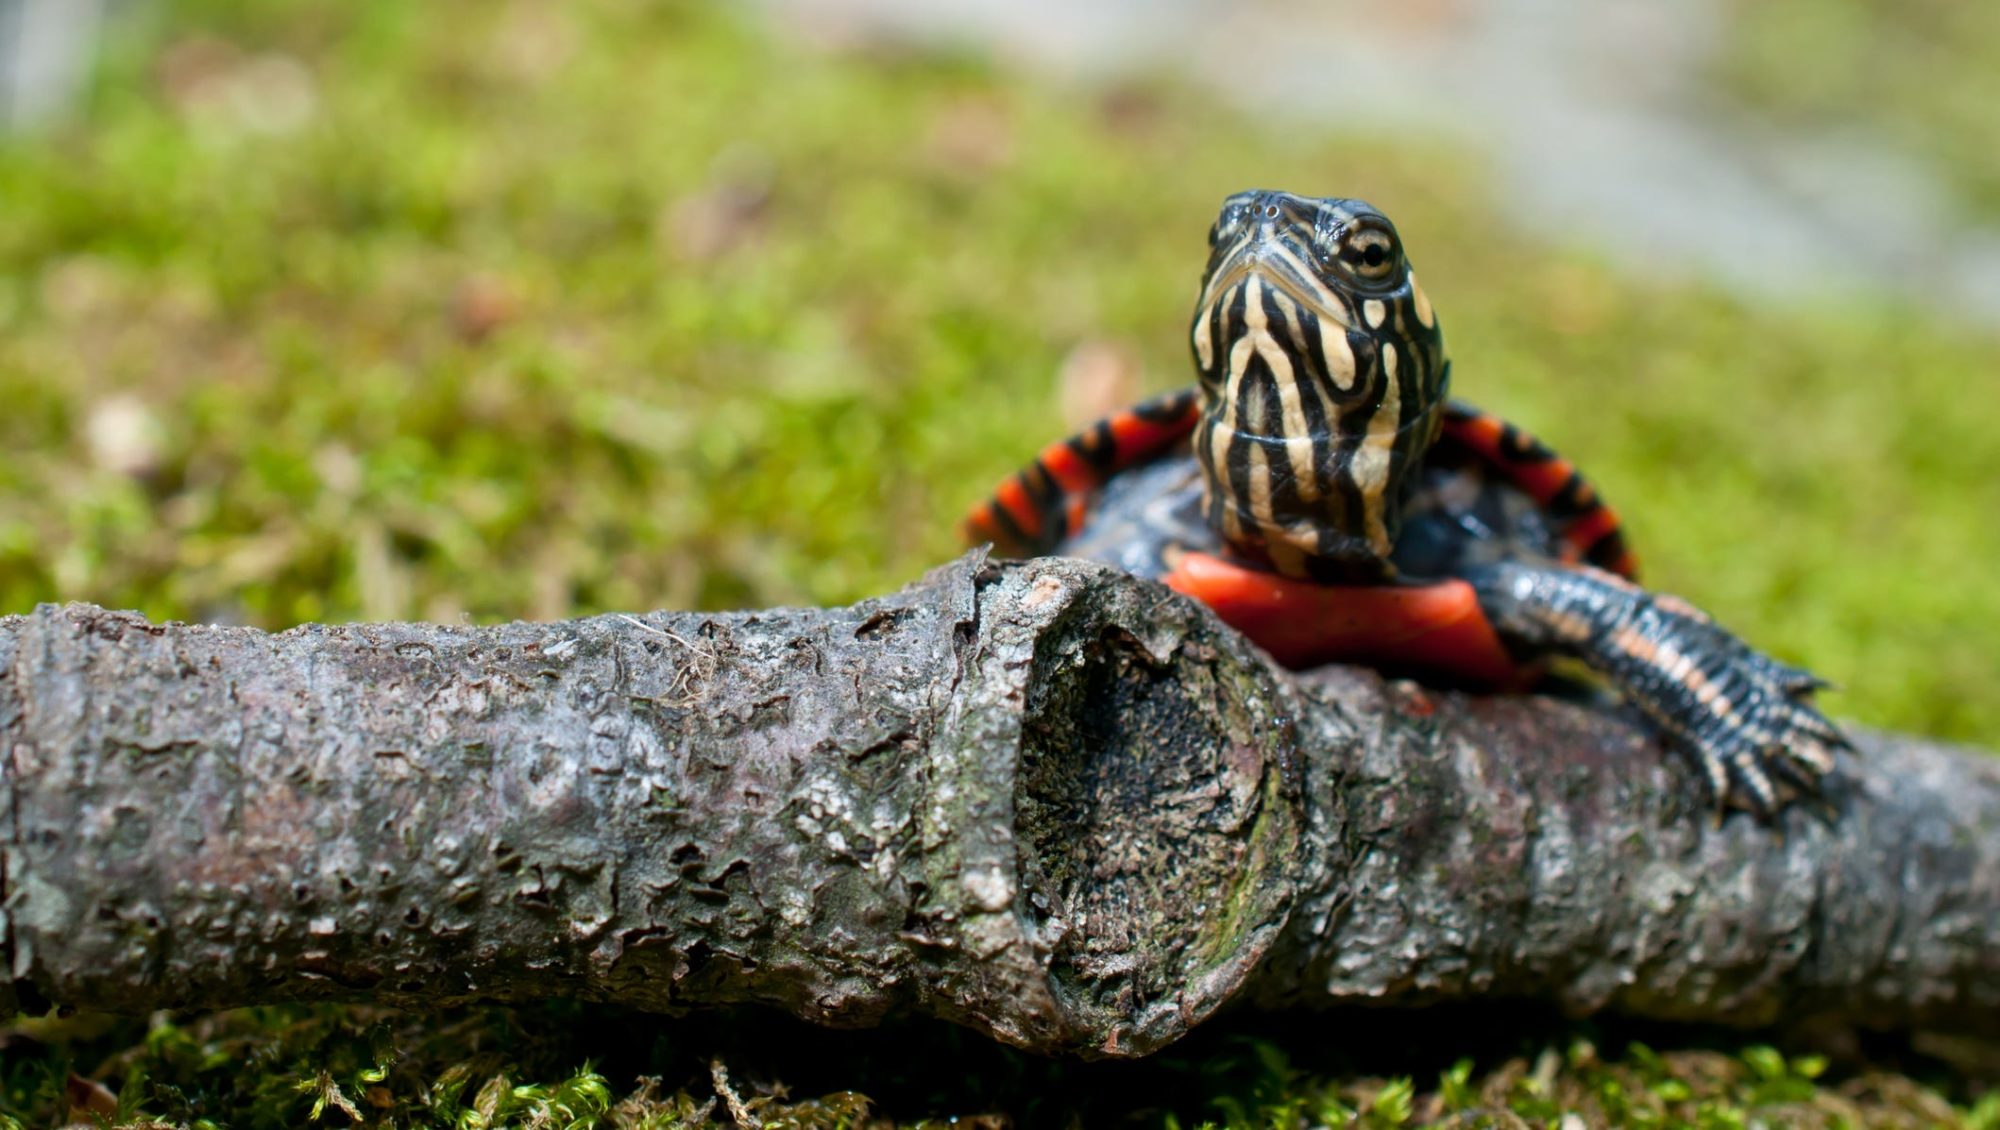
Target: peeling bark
(1044,799)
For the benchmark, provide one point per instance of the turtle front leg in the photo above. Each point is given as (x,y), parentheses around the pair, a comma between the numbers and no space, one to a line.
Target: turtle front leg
(1747,718)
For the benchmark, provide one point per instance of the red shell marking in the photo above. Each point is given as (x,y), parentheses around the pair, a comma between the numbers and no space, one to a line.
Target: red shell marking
(1432,627)
(1047,500)
(1588,527)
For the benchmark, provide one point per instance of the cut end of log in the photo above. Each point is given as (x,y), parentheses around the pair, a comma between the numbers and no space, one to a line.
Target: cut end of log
(1157,801)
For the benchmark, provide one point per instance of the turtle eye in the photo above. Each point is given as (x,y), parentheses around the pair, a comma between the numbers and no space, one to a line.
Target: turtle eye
(1370,251)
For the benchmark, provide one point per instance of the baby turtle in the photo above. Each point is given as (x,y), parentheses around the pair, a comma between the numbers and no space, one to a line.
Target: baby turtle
(1323,494)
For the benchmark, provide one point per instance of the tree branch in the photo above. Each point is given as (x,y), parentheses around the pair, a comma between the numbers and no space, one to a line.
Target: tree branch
(1043,799)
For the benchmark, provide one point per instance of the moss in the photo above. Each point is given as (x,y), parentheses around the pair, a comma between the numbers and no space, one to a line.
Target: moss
(516,309)
(531,1067)
(539,311)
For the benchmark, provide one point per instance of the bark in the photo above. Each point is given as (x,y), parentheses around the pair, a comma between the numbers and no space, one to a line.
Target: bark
(1042,799)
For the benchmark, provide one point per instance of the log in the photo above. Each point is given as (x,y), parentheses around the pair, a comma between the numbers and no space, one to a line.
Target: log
(1043,799)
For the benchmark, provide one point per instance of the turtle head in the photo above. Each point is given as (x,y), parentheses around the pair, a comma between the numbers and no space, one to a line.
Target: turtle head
(1323,379)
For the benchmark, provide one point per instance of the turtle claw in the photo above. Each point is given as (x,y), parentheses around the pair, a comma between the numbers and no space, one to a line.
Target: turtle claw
(1801,683)
(1753,784)
(1773,747)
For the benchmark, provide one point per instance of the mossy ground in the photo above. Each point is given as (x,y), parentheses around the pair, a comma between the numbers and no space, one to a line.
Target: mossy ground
(563,1065)
(500,310)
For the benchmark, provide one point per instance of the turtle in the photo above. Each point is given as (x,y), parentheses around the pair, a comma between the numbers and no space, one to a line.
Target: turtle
(1322,492)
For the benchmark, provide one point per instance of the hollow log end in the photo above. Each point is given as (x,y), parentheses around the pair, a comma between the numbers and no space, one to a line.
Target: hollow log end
(1158,799)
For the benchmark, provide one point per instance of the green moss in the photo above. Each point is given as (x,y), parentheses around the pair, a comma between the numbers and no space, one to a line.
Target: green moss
(334,311)
(541,311)
(565,1066)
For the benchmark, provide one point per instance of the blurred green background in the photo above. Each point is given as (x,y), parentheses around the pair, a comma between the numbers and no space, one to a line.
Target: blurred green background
(483,310)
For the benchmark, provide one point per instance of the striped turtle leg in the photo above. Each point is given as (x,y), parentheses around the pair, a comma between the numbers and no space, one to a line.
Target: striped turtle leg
(1747,718)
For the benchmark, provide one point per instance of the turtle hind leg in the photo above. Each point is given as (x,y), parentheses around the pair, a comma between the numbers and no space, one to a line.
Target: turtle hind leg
(1748,719)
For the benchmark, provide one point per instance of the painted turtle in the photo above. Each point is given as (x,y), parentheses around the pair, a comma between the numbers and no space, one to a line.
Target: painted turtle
(1320,491)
